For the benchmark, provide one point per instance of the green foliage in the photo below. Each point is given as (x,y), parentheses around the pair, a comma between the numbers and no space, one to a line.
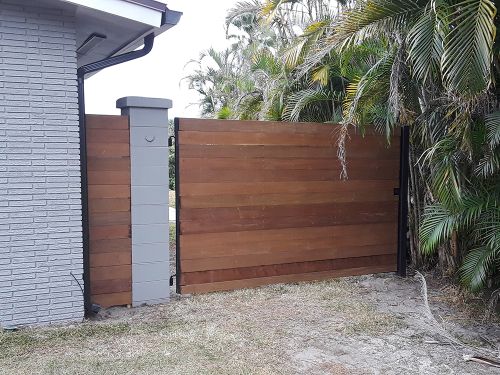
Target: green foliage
(477,215)
(171,168)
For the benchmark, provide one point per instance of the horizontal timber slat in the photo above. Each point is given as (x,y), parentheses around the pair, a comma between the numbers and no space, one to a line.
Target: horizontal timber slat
(279,257)
(113,299)
(367,171)
(198,165)
(108,136)
(263,202)
(106,122)
(111,218)
(256,282)
(111,272)
(110,286)
(108,232)
(214,220)
(237,138)
(285,269)
(121,177)
(282,199)
(264,241)
(357,149)
(108,164)
(115,245)
(109,204)
(103,150)
(116,258)
(342,186)
(109,191)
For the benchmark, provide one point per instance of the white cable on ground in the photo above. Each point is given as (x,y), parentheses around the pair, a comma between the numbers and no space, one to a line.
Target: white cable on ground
(451,338)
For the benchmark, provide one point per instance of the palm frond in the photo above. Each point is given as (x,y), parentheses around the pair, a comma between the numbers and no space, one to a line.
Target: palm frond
(300,100)
(375,17)
(361,91)
(492,124)
(467,55)
(241,9)
(476,266)
(425,44)
(437,225)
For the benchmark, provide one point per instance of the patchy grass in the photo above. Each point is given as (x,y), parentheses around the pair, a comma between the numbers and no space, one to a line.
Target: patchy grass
(24,341)
(472,306)
(241,332)
(171,198)
(341,326)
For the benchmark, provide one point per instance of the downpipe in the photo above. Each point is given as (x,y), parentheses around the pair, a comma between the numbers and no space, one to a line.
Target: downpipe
(81,72)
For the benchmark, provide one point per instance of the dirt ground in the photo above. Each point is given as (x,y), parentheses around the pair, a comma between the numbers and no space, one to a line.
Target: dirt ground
(359,325)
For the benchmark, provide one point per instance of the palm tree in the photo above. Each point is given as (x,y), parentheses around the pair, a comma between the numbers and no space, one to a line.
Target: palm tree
(437,75)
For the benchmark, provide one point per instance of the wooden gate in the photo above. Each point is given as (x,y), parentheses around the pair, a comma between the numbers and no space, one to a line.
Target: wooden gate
(110,246)
(263,202)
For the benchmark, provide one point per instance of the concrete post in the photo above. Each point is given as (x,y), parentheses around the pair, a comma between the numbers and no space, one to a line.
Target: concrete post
(148,118)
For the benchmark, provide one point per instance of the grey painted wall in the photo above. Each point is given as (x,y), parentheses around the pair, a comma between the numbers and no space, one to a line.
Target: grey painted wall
(40,208)
(149,169)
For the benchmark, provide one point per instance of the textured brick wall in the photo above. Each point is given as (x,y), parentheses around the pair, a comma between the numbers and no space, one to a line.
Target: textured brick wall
(40,214)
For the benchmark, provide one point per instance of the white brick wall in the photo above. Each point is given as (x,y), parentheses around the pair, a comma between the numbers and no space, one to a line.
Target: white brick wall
(40,212)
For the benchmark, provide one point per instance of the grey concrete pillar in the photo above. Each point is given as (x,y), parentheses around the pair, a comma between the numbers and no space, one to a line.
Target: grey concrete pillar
(148,119)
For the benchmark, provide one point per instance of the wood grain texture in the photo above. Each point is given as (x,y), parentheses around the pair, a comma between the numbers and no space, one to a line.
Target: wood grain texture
(109,191)
(262,202)
(117,164)
(104,150)
(121,272)
(292,255)
(109,177)
(113,299)
(366,171)
(111,218)
(109,205)
(309,276)
(106,122)
(110,286)
(357,150)
(109,231)
(274,240)
(116,258)
(240,273)
(244,188)
(108,136)
(287,199)
(248,218)
(110,244)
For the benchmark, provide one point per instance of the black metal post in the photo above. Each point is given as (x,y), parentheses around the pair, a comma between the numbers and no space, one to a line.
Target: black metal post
(84,194)
(403,201)
(177,210)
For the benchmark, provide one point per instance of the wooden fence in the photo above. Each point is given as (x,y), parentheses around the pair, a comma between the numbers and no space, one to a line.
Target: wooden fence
(263,202)
(110,244)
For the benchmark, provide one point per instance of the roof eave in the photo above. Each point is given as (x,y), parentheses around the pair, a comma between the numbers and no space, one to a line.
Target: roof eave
(170,18)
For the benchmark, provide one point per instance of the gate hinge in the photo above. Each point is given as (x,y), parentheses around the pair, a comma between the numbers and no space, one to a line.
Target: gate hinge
(396,191)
